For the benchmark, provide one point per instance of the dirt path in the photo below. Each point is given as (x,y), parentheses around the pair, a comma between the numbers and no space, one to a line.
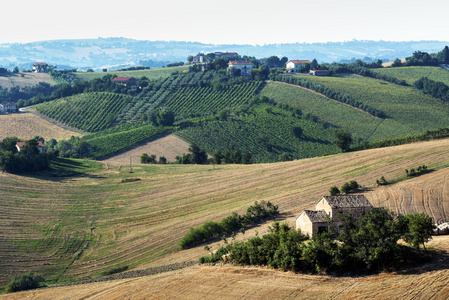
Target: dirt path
(315,92)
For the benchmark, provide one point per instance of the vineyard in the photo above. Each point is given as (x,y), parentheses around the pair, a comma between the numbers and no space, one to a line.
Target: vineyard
(266,132)
(89,112)
(409,111)
(189,101)
(412,74)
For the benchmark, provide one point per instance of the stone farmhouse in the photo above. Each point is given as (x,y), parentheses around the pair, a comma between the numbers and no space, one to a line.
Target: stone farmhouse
(125,80)
(8,107)
(40,67)
(200,59)
(244,66)
(293,66)
(329,208)
(40,146)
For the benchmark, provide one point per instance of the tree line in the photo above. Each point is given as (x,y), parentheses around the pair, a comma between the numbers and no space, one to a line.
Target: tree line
(433,88)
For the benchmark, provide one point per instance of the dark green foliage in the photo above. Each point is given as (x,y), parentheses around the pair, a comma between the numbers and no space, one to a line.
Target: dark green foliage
(26,281)
(419,171)
(420,229)
(333,191)
(162,116)
(147,159)
(343,140)
(433,88)
(114,270)
(382,181)
(199,156)
(209,230)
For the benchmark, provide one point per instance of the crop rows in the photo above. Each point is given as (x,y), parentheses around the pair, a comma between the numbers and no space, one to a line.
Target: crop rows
(90,112)
(412,74)
(194,100)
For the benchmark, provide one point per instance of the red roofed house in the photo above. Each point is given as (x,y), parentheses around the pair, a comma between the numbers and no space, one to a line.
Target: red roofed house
(329,208)
(243,65)
(294,66)
(125,80)
(40,67)
(40,146)
(319,72)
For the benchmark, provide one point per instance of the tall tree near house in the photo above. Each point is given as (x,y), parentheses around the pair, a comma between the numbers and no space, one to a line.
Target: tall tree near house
(420,229)
(314,64)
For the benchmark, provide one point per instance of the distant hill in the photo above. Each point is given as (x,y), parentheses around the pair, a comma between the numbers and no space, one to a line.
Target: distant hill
(114,53)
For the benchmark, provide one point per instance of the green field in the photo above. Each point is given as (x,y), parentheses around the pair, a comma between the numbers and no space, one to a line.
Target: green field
(408,111)
(150,74)
(412,74)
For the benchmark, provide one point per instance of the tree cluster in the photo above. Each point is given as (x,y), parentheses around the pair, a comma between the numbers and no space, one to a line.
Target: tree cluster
(346,188)
(231,157)
(363,245)
(209,230)
(25,281)
(433,88)
(151,159)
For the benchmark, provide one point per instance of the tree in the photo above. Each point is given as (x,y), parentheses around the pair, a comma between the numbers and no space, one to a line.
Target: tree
(420,229)
(333,191)
(314,64)
(23,282)
(345,188)
(199,156)
(446,55)
(9,144)
(397,63)
(190,58)
(30,148)
(343,140)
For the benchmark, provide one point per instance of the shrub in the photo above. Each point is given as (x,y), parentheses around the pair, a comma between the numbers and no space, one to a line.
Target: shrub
(346,188)
(333,191)
(26,281)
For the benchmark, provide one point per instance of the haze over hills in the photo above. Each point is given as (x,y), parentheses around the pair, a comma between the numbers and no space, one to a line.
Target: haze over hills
(113,53)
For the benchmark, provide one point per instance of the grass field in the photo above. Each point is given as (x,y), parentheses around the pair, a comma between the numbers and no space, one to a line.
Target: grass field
(412,74)
(27,125)
(28,79)
(150,74)
(67,228)
(408,111)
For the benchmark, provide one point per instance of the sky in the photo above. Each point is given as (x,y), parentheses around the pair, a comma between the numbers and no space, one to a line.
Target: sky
(226,22)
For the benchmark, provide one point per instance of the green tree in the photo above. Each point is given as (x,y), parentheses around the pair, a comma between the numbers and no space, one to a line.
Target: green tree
(30,148)
(9,144)
(420,229)
(345,188)
(333,191)
(23,282)
(397,63)
(343,140)
(314,64)
(199,156)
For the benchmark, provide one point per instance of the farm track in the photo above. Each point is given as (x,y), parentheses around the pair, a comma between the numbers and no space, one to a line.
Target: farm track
(139,223)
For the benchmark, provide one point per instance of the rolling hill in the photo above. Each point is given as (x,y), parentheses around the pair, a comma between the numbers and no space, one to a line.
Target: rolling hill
(70,228)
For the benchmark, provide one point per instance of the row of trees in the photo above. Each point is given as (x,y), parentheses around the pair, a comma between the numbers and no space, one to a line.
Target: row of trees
(433,88)
(347,187)
(421,58)
(254,214)
(366,244)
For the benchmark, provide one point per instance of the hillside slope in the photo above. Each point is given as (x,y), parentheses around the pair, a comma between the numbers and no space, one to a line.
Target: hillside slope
(73,228)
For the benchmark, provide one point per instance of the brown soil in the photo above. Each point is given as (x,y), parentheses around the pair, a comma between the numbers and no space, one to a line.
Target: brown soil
(389,63)
(169,146)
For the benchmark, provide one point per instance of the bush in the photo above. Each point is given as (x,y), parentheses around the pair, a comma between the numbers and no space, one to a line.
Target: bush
(333,191)
(26,281)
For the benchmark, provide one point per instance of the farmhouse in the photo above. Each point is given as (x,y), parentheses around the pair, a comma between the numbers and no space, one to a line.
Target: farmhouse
(200,59)
(243,65)
(328,209)
(40,146)
(319,72)
(40,67)
(125,80)
(294,66)
(8,107)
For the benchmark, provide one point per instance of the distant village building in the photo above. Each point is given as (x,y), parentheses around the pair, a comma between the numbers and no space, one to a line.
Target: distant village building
(200,59)
(319,72)
(125,80)
(329,208)
(244,66)
(293,66)
(8,107)
(226,54)
(40,146)
(40,67)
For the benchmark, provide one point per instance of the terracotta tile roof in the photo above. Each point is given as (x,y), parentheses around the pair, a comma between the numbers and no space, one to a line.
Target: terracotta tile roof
(240,62)
(347,201)
(301,61)
(39,64)
(124,78)
(317,215)
(21,144)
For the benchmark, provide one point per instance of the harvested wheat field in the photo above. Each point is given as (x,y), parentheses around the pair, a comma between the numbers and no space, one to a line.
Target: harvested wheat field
(28,79)
(429,281)
(70,228)
(28,125)
(169,146)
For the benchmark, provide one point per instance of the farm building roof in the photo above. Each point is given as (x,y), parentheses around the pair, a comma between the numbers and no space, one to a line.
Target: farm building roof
(301,61)
(316,215)
(124,78)
(21,144)
(240,62)
(39,64)
(347,201)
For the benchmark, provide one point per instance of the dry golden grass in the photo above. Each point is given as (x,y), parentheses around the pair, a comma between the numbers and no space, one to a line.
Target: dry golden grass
(27,125)
(139,223)
(28,79)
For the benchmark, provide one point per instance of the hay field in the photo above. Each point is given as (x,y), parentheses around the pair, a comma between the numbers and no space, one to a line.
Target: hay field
(69,228)
(28,125)
(28,79)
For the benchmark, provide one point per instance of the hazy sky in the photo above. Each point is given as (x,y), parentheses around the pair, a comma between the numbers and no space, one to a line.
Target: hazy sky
(229,21)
